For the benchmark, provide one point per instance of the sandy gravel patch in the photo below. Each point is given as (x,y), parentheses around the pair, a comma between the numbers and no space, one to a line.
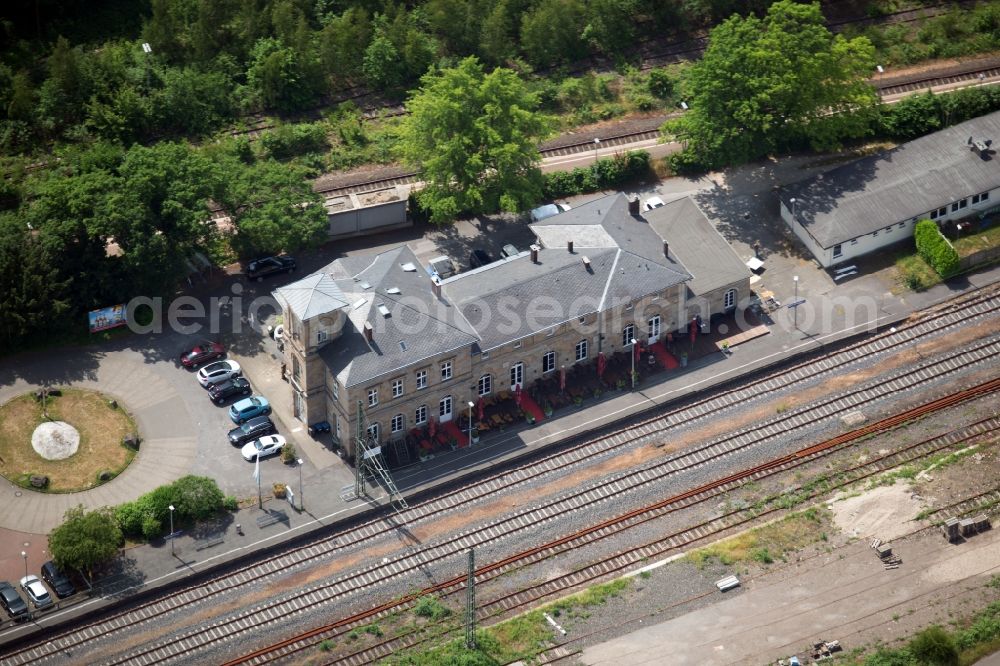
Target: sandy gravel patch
(885,512)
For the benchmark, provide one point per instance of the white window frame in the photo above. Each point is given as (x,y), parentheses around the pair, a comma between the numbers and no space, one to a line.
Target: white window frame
(838,251)
(373,432)
(446,371)
(729,300)
(321,336)
(398,423)
(548,359)
(444,415)
(397,387)
(581,350)
(653,327)
(421,379)
(420,415)
(485,386)
(373,397)
(628,335)
(516,375)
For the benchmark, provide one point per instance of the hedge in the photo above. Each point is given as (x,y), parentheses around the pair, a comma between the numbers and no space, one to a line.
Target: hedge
(935,248)
(605,174)
(193,498)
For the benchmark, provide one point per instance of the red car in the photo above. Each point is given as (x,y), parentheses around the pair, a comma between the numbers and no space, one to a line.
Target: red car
(204,351)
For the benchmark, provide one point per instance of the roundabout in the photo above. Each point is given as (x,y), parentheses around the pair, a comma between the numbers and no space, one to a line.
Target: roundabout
(65,440)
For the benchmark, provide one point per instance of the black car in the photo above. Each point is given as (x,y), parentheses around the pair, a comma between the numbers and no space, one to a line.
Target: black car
(222,391)
(12,602)
(253,429)
(57,580)
(479,258)
(261,268)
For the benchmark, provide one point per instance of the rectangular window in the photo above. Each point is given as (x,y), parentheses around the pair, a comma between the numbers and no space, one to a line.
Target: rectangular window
(976,199)
(397,388)
(446,371)
(628,334)
(854,241)
(485,356)
(337,418)
(902,225)
(372,397)
(934,214)
(581,350)
(942,211)
(963,203)
(549,361)
(397,423)
(420,416)
(837,251)
(421,379)
(888,229)
(485,384)
(320,337)
(336,390)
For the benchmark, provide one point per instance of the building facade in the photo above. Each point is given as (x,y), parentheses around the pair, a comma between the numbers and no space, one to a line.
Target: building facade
(379,331)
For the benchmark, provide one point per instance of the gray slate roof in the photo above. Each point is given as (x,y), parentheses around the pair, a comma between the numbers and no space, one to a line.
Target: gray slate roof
(313,295)
(427,326)
(908,181)
(711,260)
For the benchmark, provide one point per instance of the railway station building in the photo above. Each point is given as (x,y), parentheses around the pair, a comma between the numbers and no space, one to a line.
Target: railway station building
(379,330)
(870,203)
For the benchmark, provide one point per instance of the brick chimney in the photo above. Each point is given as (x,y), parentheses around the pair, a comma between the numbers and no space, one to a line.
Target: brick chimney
(534,254)
(666,249)
(586,264)
(436,287)
(569,246)
(369,332)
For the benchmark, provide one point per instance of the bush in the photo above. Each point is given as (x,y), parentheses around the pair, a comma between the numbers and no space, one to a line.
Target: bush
(605,174)
(151,527)
(934,646)
(230,503)
(193,498)
(431,607)
(935,248)
(288,141)
(288,453)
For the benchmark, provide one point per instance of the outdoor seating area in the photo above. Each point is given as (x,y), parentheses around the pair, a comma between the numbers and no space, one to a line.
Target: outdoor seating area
(571,386)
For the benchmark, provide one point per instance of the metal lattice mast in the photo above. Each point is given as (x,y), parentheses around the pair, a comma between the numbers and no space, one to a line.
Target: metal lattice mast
(368,461)
(470,603)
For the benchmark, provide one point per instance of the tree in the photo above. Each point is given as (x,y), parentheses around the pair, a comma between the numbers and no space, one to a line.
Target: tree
(764,84)
(551,32)
(196,497)
(381,64)
(475,138)
(273,208)
(85,540)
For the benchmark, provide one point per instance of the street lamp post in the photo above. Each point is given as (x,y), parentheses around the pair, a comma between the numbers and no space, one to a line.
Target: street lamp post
(792,200)
(597,147)
(24,556)
(171,507)
(795,310)
(302,497)
(471,405)
(633,362)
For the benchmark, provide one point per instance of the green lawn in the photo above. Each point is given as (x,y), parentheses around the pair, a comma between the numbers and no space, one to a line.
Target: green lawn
(981,240)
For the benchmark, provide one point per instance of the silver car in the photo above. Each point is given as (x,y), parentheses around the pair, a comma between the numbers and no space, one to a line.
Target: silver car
(220,371)
(36,591)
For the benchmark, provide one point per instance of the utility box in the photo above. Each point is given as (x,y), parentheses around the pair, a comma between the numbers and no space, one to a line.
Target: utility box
(982,522)
(967,526)
(883,551)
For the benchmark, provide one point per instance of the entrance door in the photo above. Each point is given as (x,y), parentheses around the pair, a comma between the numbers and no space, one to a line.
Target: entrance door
(654,329)
(298,404)
(516,375)
(444,409)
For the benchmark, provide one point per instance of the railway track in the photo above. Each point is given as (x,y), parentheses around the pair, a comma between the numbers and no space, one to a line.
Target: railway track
(615,564)
(962,311)
(393,567)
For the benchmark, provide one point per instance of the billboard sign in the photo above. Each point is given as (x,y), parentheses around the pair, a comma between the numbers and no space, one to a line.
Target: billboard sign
(105,318)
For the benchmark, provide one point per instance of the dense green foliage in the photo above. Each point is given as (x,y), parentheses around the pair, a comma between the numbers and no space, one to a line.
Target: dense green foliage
(606,174)
(85,539)
(474,136)
(935,248)
(936,646)
(763,83)
(193,498)
(922,114)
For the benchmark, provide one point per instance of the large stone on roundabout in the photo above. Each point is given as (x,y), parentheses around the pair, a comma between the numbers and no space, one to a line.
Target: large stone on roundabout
(55,440)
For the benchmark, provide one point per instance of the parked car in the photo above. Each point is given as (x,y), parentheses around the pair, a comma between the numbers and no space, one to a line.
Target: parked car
(263,447)
(222,391)
(509,251)
(12,602)
(479,258)
(203,352)
(248,408)
(57,580)
(217,372)
(252,429)
(652,202)
(259,269)
(548,210)
(36,591)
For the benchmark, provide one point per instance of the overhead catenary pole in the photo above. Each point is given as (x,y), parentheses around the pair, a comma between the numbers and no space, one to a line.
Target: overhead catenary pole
(470,603)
